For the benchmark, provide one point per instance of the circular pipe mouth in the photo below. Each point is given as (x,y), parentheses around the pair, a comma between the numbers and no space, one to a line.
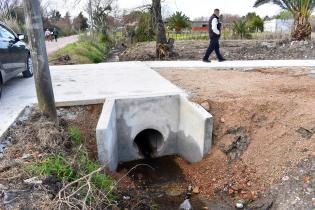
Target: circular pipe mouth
(149,142)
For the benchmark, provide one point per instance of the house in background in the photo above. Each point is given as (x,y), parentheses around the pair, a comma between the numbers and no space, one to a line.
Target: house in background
(201,26)
(278,25)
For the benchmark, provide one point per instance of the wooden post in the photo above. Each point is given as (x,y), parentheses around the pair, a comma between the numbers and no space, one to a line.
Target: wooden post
(35,31)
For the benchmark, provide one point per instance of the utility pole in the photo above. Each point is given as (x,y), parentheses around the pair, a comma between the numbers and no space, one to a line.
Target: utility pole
(35,31)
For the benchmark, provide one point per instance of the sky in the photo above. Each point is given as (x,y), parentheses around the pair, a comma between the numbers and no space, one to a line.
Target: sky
(192,8)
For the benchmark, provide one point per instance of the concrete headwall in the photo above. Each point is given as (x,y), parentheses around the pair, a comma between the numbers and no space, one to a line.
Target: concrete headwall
(186,128)
(137,114)
(194,132)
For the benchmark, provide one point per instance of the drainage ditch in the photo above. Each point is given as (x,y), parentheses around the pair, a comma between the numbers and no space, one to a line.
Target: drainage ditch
(162,180)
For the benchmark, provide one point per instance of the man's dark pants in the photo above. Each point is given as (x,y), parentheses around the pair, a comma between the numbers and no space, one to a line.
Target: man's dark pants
(214,45)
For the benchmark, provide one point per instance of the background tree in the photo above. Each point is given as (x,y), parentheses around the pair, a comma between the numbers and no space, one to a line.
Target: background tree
(301,11)
(164,48)
(178,21)
(158,22)
(284,15)
(145,29)
(240,29)
(80,22)
(54,16)
(254,22)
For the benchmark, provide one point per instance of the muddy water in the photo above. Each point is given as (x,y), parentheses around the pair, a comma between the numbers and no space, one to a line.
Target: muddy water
(163,180)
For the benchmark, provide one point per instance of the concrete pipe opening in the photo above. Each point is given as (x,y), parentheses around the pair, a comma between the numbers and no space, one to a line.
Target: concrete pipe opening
(149,141)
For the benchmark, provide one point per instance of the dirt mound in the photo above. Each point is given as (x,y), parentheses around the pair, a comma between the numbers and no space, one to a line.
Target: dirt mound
(257,129)
(231,49)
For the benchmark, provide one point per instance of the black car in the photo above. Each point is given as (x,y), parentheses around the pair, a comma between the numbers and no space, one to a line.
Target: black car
(15,57)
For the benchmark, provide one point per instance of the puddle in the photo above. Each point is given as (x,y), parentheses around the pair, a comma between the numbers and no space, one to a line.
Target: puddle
(163,180)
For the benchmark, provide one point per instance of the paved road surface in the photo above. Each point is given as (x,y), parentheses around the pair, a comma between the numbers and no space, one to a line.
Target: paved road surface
(55,46)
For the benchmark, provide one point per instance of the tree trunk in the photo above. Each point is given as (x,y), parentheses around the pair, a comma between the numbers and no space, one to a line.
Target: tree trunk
(158,22)
(302,29)
(164,48)
(34,26)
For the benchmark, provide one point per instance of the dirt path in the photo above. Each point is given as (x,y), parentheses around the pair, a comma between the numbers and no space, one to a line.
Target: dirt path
(62,42)
(264,129)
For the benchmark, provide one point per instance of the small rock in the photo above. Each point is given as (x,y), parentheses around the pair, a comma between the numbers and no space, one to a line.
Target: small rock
(239,205)
(26,156)
(205,105)
(33,180)
(196,190)
(126,197)
(205,208)
(222,120)
(285,178)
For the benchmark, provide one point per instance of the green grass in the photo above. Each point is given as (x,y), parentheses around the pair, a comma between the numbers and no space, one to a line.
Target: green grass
(75,135)
(68,168)
(53,165)
(188,35)
(84,51)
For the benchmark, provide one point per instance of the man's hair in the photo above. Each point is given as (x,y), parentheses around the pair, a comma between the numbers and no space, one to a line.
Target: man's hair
(216,10)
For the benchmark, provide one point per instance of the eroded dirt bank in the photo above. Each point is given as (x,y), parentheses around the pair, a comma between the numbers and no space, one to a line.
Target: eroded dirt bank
(264,134)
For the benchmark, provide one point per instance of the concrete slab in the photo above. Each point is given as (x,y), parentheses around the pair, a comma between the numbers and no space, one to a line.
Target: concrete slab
(230,64)
(85,84)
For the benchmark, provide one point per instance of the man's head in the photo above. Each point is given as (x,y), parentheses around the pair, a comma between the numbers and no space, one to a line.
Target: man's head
(217,12)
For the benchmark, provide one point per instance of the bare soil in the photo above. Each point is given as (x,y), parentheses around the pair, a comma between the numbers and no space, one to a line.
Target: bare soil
(231,49)
(264,132)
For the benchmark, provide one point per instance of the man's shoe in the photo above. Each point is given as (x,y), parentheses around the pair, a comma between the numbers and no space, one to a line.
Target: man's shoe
(206,60)
(222,59)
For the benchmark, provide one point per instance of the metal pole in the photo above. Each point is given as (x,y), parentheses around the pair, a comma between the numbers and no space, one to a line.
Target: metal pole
(35,31)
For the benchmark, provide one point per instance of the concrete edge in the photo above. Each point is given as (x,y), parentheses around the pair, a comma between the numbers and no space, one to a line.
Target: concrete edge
(208,123)
(195,126)
(106,136)
(234,64)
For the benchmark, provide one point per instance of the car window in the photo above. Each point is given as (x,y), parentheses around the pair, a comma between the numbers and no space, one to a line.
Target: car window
(5,34)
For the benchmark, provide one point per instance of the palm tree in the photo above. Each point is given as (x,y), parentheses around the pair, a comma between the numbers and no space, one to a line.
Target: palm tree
(301,11)
(241,29)
(178,21)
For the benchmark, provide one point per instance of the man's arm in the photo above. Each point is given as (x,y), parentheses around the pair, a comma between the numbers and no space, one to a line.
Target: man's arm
(215,26)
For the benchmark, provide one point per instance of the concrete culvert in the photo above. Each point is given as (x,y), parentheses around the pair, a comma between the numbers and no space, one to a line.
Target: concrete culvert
(149,141)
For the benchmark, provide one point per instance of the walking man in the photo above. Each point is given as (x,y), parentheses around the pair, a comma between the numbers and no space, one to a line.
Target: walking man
(214,35)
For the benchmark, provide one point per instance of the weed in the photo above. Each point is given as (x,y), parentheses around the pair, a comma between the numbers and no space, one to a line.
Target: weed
(53,165)
(81,175)
(75,136)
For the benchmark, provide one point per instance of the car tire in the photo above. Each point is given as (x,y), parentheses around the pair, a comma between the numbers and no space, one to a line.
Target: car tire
(29,68)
